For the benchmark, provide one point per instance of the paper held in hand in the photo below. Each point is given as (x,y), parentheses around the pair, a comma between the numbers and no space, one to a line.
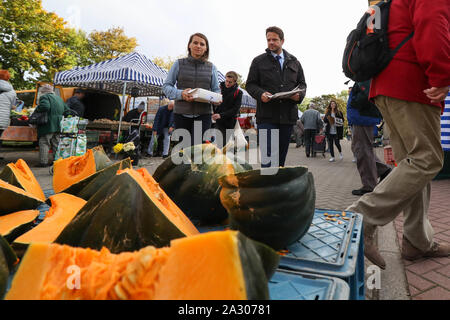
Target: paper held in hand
(288,94)
(202,95)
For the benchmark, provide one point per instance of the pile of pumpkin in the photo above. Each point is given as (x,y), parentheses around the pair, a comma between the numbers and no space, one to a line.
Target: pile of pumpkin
(130,235)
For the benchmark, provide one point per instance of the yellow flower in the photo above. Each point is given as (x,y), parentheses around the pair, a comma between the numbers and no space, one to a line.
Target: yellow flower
(118,148)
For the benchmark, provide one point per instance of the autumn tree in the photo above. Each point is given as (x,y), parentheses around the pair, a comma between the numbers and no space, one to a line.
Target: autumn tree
(35,43)
(110,44)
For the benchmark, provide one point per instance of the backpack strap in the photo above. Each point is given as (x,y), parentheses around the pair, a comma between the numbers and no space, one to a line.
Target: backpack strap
(394,52)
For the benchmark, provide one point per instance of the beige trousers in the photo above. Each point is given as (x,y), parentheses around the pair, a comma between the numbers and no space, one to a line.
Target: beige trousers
(415,135)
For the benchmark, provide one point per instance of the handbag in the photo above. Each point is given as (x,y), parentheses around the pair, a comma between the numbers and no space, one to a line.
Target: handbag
(339,122)
(38,118)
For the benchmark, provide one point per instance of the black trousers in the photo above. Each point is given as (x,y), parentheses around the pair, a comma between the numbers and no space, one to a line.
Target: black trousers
(281,146)
(182,122)
(333,139)
(309,135)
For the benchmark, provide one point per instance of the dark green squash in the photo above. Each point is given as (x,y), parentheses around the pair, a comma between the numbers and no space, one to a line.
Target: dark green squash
(15,224)
(273,209)
(193,186)
(86,188)
(14,199)
(8,260)
(127,215)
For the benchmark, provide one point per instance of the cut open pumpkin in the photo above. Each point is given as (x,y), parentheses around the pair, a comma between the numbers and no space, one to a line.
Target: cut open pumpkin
(213,266)
(19,174)
(15,224)
(14,199)
(127,214)
(63,208)
(68,171)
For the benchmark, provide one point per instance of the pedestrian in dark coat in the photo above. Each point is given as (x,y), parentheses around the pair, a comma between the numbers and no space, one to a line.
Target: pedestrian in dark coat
(270,73)
(226,113)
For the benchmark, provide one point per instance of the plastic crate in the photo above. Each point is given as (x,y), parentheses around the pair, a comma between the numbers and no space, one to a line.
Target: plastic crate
(331,249)
(289,285)
(92,136)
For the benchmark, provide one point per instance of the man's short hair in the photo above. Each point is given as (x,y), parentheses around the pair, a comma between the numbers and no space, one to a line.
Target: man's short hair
(233,75)
(141,106)
(276,30)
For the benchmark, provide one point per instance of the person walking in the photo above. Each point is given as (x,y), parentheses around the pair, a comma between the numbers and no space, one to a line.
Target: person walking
(226,113)
(298,133)
(76,104)
(363,116)
(163,126)
(134,114)
(313,125)
(48,134)
(334,121)
(410,94)
(189,73)
(272,72)
(7,100)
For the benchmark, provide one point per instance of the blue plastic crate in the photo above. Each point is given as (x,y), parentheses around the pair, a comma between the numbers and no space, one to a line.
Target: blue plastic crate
(43,208)
(289,285)
(331,249)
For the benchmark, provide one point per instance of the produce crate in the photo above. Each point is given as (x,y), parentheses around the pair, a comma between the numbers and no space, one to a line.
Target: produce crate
(289,285)
(331,248)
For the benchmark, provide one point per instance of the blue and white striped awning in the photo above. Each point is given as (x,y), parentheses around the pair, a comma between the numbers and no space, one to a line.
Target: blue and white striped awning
(142,76)
(247,100)
(445,125)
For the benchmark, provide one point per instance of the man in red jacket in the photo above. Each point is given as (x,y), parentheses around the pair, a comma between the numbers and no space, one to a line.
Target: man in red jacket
(410,94)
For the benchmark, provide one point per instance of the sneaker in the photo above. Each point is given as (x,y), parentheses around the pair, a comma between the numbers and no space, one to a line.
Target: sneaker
(370,249)
(354,160)
(360,192)
(411,253)
(166,156)
(332,160)
(341,156)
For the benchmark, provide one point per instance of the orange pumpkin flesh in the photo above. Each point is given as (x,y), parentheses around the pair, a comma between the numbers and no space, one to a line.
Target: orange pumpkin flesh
(157,195)
(206,266)
(20,175)
(16,199)
(68,171)
(13,222)
(63,210)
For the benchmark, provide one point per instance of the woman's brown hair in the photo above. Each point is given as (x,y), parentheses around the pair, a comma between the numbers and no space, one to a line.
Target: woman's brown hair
(328,111)
(4,75)
(205,56)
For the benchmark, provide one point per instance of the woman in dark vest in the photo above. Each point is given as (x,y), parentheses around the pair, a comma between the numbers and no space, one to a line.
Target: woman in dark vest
(192,72)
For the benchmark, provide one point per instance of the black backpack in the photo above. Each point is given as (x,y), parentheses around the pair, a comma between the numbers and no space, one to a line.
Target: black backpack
(360,100)
(367,51)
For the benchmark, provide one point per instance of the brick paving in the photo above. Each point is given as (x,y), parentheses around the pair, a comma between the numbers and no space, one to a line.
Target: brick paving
(427,279)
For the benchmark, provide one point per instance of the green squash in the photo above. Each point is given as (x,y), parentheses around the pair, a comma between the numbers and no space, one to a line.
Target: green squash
(273,209)
(86,188)
(8,260)
(127,215)
(193,186)
(14,199)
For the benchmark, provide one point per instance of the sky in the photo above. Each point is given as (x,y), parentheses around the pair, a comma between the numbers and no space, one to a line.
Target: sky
(315,31)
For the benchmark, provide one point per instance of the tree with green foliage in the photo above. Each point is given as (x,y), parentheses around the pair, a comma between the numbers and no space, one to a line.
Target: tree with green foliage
(36,43)
(110,44)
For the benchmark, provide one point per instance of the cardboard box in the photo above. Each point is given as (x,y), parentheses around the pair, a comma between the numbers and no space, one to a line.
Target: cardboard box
(202,95)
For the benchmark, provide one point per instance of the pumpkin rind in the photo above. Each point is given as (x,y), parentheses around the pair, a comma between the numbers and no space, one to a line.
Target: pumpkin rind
(195,187)
(122,216)
(87,187)
(14,199)
(187,270)
(19,174)
(273,209)
(15,224)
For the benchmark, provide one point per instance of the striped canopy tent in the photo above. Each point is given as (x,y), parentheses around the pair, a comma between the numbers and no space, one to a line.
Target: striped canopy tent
(247,100)
(445,125)
(132,74)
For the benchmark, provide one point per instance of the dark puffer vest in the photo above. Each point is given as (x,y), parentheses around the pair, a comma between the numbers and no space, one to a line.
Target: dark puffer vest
(193,74)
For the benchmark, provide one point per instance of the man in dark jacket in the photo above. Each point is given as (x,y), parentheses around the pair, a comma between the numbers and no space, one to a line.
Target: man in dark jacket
(270,73)
(163,126)
(225,114)
(134,114)
(75,102)
(363,116)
